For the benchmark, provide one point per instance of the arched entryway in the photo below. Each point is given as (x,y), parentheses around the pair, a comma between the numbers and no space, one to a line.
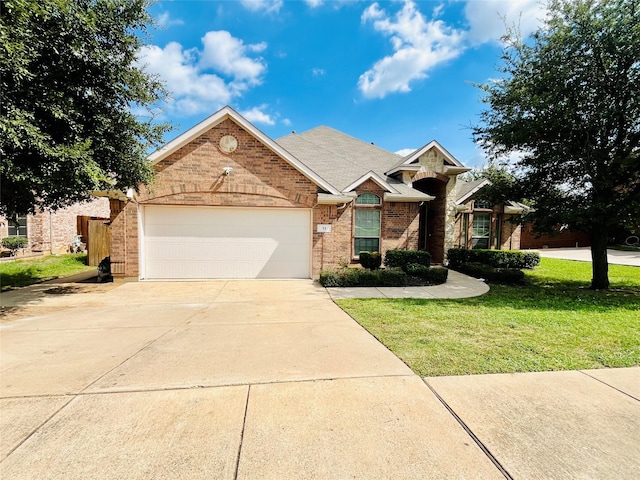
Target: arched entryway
(432,214)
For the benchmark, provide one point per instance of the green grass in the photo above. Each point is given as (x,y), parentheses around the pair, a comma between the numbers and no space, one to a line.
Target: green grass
(553,323)
(20,273)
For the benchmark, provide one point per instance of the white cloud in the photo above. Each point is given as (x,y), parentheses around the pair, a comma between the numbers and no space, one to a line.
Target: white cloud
(267,6)
(286,121)
(318,72)
(419,46)
(314,3)
(405,151)
(200,81)
(228,55)
(256,115)
(164,20)
(487,19)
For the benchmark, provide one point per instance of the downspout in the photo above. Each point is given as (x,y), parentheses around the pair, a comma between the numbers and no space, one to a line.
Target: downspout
(50,233)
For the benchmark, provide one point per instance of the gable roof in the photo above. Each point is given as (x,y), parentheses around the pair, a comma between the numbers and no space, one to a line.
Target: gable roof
(347,162)
(413,158)
(229,113)
(465,190)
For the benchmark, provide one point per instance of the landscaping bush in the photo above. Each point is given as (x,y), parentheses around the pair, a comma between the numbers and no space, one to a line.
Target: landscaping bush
(507,276)
(428,275)
(370,260)
(495,258)
(14,243)
(402,258)
(357,277)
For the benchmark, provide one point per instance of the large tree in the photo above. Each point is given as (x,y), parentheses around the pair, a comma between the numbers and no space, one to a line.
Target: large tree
(69,87)
(566,111)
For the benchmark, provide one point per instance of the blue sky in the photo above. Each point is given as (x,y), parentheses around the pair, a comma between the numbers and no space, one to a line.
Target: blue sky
(396,73)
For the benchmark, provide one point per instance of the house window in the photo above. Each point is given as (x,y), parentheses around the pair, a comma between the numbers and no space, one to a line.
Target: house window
(367,224)
(18,228)
(483,204)
(481,230)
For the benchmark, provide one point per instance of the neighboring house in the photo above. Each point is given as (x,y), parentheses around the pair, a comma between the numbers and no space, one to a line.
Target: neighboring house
(53,231)
(230,202)
(561,238)
(481,224)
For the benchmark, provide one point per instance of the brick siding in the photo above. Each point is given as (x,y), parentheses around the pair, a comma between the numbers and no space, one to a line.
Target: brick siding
(194,175)
(53,231)
(510,233)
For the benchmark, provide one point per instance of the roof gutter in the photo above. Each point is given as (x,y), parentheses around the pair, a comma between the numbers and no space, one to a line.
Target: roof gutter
(113,194)
(451,170)
(515,209)
(398,197)
(329,199)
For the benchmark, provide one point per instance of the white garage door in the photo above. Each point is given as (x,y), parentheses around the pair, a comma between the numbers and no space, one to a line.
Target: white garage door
(202,242)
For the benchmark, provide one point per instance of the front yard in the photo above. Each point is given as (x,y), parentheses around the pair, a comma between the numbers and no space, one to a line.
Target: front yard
(19,273)
(553,323)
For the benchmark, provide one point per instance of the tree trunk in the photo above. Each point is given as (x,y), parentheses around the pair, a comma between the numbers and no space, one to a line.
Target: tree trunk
(599,262)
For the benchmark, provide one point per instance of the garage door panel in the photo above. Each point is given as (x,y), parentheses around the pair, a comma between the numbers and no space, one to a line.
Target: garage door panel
(194,242)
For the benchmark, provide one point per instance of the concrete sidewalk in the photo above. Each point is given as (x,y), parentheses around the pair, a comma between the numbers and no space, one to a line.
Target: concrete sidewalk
(457,286)
(270,379)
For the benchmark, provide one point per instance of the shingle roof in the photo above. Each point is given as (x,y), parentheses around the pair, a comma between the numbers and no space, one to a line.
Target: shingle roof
(464,189)
(337,157)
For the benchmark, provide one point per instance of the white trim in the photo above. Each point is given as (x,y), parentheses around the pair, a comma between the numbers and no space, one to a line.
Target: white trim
(114,194)
(449,170)
(404,168)
(469,194)
(371,175)
(392,197)
(514,208)
(141,249)
(328,199)
(217,118)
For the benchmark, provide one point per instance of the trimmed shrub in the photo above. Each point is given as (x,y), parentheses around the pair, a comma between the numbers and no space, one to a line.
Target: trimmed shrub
(14,243)
(329,278)
(357,277)
(402,258)
(392,277)
(509,276)
(428,275)
(494,258)
(370,260)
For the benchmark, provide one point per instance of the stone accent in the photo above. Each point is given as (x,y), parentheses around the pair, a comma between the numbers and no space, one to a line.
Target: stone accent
(441,212)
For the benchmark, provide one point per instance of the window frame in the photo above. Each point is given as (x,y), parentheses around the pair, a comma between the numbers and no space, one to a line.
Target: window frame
(18,227)
(361,206)
(482,205)
(474,237)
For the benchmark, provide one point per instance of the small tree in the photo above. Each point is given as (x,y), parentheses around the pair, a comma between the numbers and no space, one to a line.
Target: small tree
(568,106)
(69,84)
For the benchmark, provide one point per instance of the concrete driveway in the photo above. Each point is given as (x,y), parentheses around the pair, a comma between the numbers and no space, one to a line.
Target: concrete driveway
(583,254)
(263,379)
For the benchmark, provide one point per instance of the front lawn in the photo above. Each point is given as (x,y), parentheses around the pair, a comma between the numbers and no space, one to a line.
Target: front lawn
(20,273)
(553,323)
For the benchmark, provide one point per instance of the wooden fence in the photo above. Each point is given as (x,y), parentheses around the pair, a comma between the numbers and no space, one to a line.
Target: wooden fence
(98,241)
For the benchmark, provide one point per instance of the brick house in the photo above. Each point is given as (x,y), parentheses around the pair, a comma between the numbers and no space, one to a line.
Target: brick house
(480,224)
(230,202)
(53,231)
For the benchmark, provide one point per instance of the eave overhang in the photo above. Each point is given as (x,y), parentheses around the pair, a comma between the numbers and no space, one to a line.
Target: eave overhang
(373,176)
(418,197)
(329,199)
